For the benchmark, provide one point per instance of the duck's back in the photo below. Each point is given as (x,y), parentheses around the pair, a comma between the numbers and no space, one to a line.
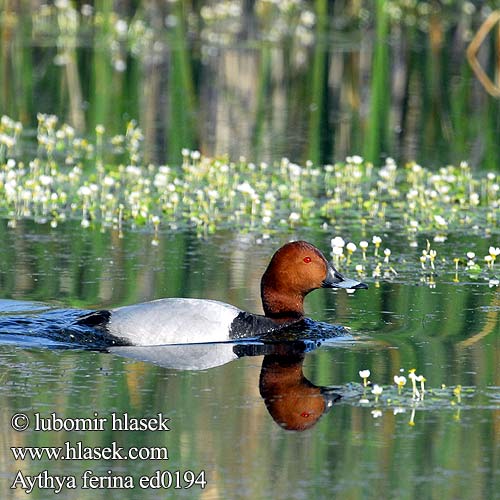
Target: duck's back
(173,321)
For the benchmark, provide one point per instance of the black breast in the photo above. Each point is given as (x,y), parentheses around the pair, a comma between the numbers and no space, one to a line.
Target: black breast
(247,325)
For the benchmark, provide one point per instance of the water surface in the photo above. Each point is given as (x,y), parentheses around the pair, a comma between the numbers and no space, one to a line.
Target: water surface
(261,79)
(222,417)
(372,78)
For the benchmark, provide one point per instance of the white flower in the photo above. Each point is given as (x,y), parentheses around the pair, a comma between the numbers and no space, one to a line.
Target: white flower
(387,253)
(337,251)
(494,251)
(363,244)
(474,199)
(245,188)
(294,216)
(120,65)
(399,380)
(337,242)
(440,221)
(470,255)
(133,170)
(295,170)
(351,247)
(46,180)
(84,191)
(121,26)
(108,181)
(377,390)
(87,10)
(364,374)
(7,140)
(307,18)
(376,240)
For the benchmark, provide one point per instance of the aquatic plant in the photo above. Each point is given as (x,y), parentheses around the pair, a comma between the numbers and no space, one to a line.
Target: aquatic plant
(364,374)
(376,240)
(400,381)
(106,183)
(377,391)
(413,377)
(363,245)
(400,400)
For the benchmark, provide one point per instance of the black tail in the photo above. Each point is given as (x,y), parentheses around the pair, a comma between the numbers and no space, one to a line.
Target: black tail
(94,319)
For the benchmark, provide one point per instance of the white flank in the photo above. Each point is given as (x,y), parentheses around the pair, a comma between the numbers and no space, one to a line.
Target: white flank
(173,321)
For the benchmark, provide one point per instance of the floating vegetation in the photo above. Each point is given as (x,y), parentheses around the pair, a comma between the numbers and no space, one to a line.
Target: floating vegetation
(104,183)
(400,400)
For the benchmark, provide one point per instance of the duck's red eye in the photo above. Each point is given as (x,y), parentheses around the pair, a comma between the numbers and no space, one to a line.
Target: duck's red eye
(307,260)
(305,414)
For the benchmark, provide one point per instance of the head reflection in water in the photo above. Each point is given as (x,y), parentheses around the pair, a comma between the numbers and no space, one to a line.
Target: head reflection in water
(294,403)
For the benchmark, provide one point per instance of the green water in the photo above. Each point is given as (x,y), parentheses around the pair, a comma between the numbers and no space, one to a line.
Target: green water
(371,78)
(219,420)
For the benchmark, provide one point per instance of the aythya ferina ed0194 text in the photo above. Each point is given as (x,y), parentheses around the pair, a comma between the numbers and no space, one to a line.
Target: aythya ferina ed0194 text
(296,269)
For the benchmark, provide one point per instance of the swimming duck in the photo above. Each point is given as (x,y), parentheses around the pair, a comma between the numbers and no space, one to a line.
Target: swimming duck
(296,269)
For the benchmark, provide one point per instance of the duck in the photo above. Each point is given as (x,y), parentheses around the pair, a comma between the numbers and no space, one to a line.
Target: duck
(295,270)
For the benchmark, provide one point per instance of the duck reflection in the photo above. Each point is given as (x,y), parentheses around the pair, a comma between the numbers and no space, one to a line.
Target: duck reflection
(294,402)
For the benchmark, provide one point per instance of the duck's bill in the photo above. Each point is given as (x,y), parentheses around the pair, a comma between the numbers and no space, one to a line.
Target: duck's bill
(335,280)
(330,395)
